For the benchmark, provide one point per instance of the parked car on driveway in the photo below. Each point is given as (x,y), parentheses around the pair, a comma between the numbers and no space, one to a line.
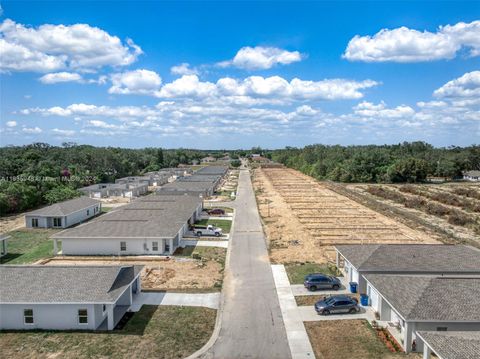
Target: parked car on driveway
(337,304)
(207,231)
(216,212)
(321,281)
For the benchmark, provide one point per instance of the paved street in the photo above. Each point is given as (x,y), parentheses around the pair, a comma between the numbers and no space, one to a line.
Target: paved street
(251,324)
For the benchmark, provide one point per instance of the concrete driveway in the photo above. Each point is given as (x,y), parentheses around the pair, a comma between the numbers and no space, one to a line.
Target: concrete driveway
(208,300)
(308,314)
(299,289)
(251,324)
(192,242)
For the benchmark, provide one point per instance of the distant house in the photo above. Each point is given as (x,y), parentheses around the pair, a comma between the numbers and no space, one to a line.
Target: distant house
(208,159)
(212,170)
(66,297)
(151,225)
(457,345)
(3,245)
(356,260)
(104,190)
(408,304)
(63,214)
(204,189)
(471,176)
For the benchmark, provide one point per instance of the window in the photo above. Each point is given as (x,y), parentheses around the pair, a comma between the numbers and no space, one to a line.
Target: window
(155,246)
(104,308)
(167,247)
(441,329)
(88,212)
(82,316)
(123,246)
(28,316)
(34,222)
(57,222)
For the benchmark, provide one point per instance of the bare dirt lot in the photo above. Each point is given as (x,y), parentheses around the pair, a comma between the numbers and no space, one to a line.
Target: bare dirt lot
(10,223)
(303,218)
(352,339)
(451,209)
(177,273)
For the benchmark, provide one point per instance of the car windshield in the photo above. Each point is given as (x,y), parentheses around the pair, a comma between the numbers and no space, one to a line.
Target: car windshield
(330,301)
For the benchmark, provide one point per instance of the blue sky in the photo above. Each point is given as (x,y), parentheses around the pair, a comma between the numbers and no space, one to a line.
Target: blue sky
(268,74)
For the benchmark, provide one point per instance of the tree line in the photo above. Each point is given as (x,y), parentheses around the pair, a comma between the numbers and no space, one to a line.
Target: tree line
(39,174)
(405,162)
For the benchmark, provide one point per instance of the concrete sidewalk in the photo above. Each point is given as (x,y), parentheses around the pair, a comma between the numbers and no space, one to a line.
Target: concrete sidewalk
(208,300)
(192,242)
(297,336)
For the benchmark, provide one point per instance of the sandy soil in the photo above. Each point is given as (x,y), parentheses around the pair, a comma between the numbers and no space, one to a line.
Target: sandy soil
(303,218)
(459,232)
(176,273)
(11,223)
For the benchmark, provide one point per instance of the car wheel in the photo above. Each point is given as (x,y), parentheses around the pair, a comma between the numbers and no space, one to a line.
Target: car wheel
(326,312)
(336,287)
(217,234)
(312,288)
(352,310)
(199,234)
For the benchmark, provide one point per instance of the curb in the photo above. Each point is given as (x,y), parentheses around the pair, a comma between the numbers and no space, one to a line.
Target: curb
(218,320)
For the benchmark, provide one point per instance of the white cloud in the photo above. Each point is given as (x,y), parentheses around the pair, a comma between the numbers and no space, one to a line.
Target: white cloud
(11,123)
(368,109)
(139,81)
(55,47)
(32,130)
(66,133)
(57,77)
(267,89)
(183,69)
(261,58)
(408,45)
(467,85)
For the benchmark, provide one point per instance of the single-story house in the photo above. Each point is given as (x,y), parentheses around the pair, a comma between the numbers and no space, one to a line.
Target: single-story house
(151,225)
(450,345)
(103,190)
(212,170)
(64,214)
(213,179)
(135,179)
(204,189)
(208,159)
(66,297)
(356,260)
(471,176)
(410,303)
(3,244)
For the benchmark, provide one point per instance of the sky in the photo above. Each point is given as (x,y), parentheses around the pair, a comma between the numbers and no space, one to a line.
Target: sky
(227,75)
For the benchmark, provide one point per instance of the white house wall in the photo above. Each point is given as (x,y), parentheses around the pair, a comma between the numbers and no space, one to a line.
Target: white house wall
(110,246)
(49,316)
(67,221)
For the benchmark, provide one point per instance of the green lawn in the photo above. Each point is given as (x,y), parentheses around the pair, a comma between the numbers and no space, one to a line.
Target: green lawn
(224,224)
(297,272)
(203,253)
(226,209)
(29,245)
(106,209)
(153,332)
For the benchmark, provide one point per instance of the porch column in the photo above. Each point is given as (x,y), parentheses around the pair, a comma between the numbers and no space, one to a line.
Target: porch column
(337,260)
(171,245)
(110,317)
(407,336)
(427,352)
(55,247)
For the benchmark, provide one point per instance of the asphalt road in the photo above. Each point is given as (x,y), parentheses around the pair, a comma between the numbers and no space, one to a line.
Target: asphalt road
(252,324)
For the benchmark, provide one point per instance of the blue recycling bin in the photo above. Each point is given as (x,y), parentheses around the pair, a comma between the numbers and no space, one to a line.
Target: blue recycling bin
(353,287)
(364,300)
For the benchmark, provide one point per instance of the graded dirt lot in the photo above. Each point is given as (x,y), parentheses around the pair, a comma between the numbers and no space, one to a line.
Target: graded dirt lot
(451,209)
(303,218)
(177,273)
(11,223)
(352,339)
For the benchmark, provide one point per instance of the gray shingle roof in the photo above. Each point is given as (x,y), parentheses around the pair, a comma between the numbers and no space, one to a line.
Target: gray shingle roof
(412,258)
(472,173)
(455,345)
(187,186)
(430,298)
(64,284)
(212,170)
(148,217)
(65,208)
(200,178)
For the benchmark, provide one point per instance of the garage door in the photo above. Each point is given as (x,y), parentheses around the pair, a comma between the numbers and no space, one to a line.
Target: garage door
(354,275)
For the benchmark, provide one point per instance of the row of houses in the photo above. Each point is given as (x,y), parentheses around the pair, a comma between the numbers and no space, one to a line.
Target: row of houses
(121,189)
(417,289)
(95,297)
